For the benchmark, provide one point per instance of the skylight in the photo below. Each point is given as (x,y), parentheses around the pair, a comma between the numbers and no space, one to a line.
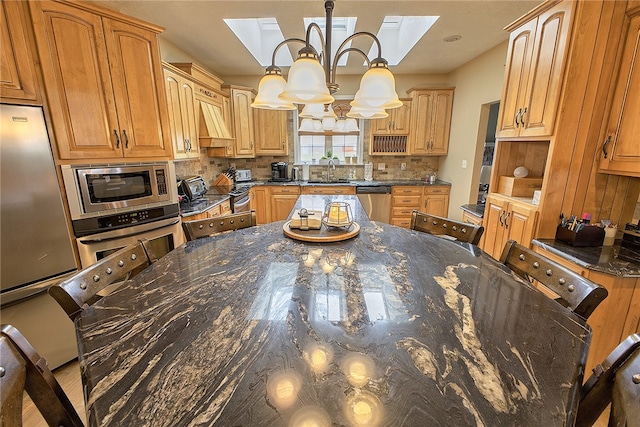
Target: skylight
(341,28)
(261,36)
(399,34)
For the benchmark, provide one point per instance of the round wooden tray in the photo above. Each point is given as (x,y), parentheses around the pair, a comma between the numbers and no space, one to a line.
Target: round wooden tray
(322,235)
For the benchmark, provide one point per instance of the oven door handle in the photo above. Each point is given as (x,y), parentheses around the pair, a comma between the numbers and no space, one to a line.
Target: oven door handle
(128,231)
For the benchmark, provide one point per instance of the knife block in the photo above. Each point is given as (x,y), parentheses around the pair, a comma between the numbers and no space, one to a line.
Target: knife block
(222,180)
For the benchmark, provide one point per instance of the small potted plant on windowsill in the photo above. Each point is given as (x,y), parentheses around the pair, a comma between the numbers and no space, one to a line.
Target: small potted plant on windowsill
(325,159)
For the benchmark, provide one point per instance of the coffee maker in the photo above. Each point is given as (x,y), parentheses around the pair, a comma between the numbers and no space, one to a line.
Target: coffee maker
(279,171)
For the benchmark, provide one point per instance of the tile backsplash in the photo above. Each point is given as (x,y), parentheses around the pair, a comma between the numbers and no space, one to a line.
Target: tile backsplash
(416,167)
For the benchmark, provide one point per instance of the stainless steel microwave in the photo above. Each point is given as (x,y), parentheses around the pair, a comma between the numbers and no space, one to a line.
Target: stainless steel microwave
(92,190)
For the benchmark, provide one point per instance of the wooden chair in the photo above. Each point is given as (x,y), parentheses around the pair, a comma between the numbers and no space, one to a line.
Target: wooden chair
(432,224)
(615,381)
(82,289)
(199,228)
(581,295)
(22,369)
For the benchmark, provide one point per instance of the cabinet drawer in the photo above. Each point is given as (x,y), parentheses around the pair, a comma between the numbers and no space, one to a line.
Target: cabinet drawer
(408,191)
(402,212)
(406,201)
(401,222)
(436,190)
(346,190)
(225,208)
(285,190)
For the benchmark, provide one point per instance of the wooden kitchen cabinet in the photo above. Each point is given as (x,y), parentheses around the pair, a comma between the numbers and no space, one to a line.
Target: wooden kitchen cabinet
(283,199)
(259,201)
(621,147)
(507,219)
(436,200)
(243,145)
(103,79)
(271,132)
(181,104)
(475,220)
(533,78)
(404,200)
(18,81)
(430,121)
(344,190)
(397,123)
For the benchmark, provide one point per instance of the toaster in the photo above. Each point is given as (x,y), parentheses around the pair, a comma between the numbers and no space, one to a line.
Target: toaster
(242,175)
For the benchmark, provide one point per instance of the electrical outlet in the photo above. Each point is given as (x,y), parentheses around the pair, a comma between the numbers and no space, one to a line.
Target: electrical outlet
(381,166)
(464,164)
(403,166)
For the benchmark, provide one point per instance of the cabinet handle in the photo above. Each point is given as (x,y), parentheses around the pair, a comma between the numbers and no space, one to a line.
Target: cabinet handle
(506,224)
(115,131)
(283,145)
(126,138)
(524,111)
(500,218)
(518,115)
(604,147)
(393,124)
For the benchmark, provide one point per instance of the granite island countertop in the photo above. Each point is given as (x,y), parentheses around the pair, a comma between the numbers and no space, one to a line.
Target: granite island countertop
(614,260)
(390,328)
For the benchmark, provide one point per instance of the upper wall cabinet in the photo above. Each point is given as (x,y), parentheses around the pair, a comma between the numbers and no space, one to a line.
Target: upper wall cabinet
(182,114)
(18,82)
(397,123)
(242,118)
(103,80)
(430,121)
(533,77)
(621,148)
(271,133)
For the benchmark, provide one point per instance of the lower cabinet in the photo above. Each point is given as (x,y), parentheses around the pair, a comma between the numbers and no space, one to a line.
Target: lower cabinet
(430,199)
(475,220)
(617,317)
(283,199)
(507,219)
(259,202)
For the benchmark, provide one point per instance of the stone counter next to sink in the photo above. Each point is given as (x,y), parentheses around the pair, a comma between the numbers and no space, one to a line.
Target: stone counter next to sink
(475,210)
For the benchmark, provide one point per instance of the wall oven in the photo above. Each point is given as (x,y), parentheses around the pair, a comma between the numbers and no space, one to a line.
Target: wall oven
(113,206)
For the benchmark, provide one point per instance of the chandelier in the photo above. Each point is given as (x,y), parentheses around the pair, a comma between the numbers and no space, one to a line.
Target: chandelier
(312,77)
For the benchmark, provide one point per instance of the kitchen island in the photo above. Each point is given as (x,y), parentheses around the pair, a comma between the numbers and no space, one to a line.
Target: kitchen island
(392,327)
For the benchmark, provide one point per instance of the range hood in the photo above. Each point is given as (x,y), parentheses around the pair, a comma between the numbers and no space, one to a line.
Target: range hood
(213,129)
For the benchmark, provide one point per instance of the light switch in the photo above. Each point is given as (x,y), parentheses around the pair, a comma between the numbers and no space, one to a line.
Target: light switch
(464,164)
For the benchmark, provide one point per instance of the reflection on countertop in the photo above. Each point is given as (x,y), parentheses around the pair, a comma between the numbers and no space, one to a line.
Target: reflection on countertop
(615,260)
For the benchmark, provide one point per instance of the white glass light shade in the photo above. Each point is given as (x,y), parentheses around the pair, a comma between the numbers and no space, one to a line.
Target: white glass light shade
(306,83)
(328,123)
(351,125)
(377,90)
(309,125)
(270,87)
(312,111)
(367,113)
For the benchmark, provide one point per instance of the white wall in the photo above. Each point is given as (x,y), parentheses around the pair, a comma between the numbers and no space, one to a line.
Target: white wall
(478,82)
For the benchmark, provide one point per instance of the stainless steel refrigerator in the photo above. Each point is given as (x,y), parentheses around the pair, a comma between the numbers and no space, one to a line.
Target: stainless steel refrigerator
(35,243)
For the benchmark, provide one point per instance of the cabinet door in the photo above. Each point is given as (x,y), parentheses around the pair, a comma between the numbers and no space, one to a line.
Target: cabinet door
(441,122)
(259,202)
(519,52)
(281,205)
(139,91)
(422,122)
(519,224)
(621,152)
(17,71)
(494,212)
(190,124)
(243,123)
(74,63)
(545,77)
(270,127)
(176,114)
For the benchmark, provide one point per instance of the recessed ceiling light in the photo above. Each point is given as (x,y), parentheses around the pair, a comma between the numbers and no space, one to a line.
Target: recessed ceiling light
(452,38)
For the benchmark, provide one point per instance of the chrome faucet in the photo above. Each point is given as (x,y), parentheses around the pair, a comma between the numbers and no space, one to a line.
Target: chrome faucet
(329,174)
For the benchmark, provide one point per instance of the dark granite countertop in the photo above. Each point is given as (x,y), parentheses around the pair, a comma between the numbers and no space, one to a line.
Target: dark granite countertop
(475,210)
(605,259)
(355,183)
(390,328)
(203,204)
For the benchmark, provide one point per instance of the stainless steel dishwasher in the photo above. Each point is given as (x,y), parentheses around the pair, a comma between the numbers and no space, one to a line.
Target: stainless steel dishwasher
(376,201)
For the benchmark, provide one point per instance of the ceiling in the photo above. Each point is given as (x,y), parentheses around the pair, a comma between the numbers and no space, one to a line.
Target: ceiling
(197,27)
